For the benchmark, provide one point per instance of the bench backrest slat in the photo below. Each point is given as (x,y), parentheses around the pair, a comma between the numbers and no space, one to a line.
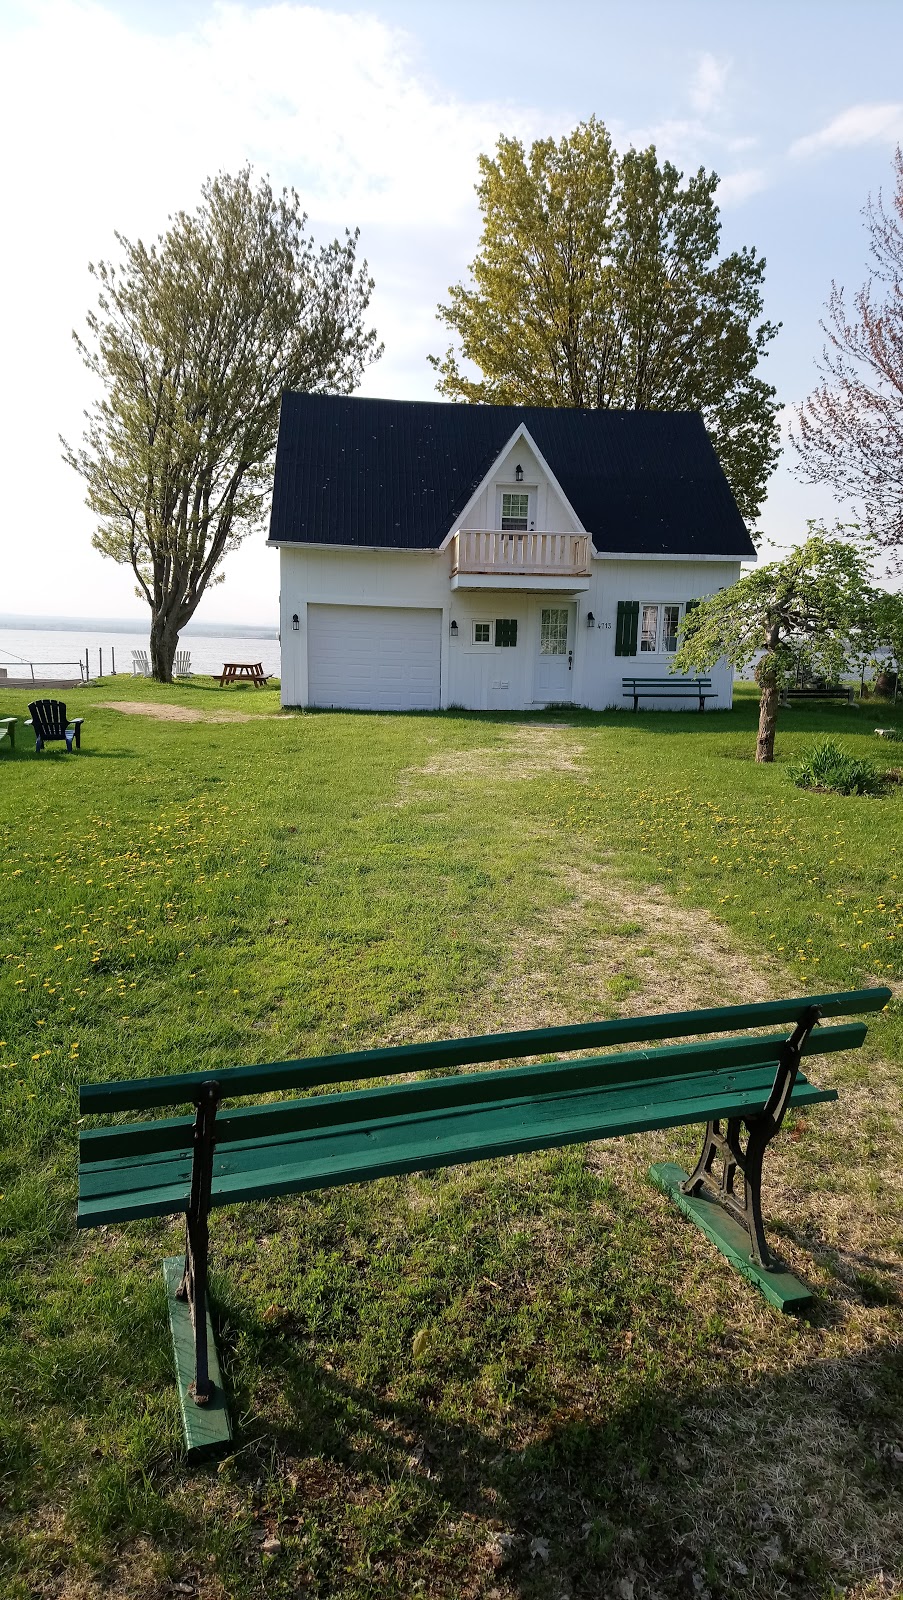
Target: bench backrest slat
(141,1094)
(673,1066)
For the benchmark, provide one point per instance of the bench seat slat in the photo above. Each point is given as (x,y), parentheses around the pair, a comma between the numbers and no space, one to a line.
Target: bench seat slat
(103,1144)
(290,1163)
(142,1094)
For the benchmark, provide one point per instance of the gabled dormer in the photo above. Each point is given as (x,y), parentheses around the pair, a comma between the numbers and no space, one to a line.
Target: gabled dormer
(519,526)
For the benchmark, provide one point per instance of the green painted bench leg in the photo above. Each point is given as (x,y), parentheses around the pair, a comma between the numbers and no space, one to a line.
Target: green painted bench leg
(731,1238)
(207,1428)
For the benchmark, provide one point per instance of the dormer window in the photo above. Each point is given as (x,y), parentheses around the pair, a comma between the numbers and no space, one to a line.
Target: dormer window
(515,512)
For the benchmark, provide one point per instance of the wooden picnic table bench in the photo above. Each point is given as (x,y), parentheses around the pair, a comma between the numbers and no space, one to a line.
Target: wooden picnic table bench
(739,1086)
(244,672)
(668,688)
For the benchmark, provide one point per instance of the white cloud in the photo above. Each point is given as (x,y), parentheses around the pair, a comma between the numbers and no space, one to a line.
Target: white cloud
(114,127)
(863,124)
(708,84)
(735,187)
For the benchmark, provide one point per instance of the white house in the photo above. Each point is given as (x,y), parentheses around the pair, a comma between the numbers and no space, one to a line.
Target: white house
(492,557)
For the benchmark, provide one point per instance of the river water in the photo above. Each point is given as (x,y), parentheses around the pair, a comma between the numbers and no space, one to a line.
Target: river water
(55,653)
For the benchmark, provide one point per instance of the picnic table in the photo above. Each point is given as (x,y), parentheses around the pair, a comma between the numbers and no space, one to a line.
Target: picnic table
(244,672)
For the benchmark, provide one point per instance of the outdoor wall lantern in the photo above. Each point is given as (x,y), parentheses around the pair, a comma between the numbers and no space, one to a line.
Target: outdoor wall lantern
(518,473)
(590,620)
(295,622)
(453,630)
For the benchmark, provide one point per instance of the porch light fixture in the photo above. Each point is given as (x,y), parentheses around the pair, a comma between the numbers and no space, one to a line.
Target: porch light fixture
(590,620)
(295,623)
(518,473)
(453,630)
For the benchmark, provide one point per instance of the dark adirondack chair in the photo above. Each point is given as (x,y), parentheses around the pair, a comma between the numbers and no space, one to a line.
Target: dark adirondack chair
(49,721)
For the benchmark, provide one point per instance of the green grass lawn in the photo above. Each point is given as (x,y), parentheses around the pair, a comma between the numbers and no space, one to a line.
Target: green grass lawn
(599,1407)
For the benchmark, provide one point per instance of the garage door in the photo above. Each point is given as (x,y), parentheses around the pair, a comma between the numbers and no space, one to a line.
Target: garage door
(373,658)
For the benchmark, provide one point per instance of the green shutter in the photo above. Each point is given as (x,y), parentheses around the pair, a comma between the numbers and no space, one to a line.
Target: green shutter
(506,631)
(627,627)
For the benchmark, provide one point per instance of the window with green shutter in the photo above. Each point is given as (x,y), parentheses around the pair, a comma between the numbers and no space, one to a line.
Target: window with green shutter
(505,632)
(627,627)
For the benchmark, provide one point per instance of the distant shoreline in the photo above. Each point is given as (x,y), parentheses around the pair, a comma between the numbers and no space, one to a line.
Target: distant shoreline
(220,630)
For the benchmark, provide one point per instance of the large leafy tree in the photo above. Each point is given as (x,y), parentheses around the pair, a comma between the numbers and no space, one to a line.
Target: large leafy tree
(817,604)
(849,433)
(193,341)
(598,283)
(888,631)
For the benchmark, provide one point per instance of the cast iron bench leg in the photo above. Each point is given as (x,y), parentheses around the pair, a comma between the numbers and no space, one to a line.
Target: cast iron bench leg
(727,1147)
(193,1287)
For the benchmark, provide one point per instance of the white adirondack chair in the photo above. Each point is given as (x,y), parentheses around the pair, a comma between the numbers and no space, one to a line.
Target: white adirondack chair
(140,664)
(182,667)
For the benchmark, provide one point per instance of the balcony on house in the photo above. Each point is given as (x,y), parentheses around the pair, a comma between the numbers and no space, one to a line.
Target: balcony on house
(484,558)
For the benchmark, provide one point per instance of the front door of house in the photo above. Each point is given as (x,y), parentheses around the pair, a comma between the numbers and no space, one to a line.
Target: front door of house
(554,667)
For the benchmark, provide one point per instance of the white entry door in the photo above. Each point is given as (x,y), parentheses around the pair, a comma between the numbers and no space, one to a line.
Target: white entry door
(373,658)
(554,667)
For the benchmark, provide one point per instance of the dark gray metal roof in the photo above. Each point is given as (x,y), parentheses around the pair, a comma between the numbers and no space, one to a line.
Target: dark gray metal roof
(396,473)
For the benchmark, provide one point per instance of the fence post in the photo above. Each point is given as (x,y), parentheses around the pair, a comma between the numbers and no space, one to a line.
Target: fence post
(100,661)
(87,666)
(113,654)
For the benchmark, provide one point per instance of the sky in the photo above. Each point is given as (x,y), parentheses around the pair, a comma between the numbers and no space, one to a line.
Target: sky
(113,114)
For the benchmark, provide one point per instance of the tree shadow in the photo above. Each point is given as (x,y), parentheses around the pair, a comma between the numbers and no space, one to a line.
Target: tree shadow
(788,1483)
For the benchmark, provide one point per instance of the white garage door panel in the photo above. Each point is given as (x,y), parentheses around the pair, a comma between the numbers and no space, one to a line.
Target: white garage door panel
(373,658)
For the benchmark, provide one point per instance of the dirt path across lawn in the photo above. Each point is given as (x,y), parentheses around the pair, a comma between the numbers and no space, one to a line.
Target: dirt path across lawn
(170,713)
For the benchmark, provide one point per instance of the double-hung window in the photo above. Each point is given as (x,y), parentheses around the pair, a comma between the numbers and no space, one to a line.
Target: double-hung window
(659,630)
(515,512)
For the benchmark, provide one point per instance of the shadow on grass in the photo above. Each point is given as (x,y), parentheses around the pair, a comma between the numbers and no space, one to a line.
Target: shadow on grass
(788,1484)
(741,718)
(52,757)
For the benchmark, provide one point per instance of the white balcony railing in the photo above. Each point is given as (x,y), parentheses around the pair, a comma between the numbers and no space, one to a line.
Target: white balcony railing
(485,550)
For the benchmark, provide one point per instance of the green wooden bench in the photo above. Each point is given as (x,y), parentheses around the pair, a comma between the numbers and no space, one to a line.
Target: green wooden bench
(739,1086)
(839,691)
(668,688)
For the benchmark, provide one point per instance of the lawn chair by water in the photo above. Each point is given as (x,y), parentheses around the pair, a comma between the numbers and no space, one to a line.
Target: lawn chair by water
(49,721)
(8,731)
(140,664)
(182,668)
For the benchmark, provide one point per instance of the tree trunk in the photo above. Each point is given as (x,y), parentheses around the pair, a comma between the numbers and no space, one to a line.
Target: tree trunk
(164,639)
(768,716)
(768,679)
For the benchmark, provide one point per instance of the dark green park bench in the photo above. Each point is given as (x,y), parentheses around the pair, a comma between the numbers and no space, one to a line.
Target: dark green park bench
(668,688)
(739,1085)
(827,691)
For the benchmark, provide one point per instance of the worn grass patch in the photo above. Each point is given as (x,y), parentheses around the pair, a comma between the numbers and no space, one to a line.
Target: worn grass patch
(597,1406)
